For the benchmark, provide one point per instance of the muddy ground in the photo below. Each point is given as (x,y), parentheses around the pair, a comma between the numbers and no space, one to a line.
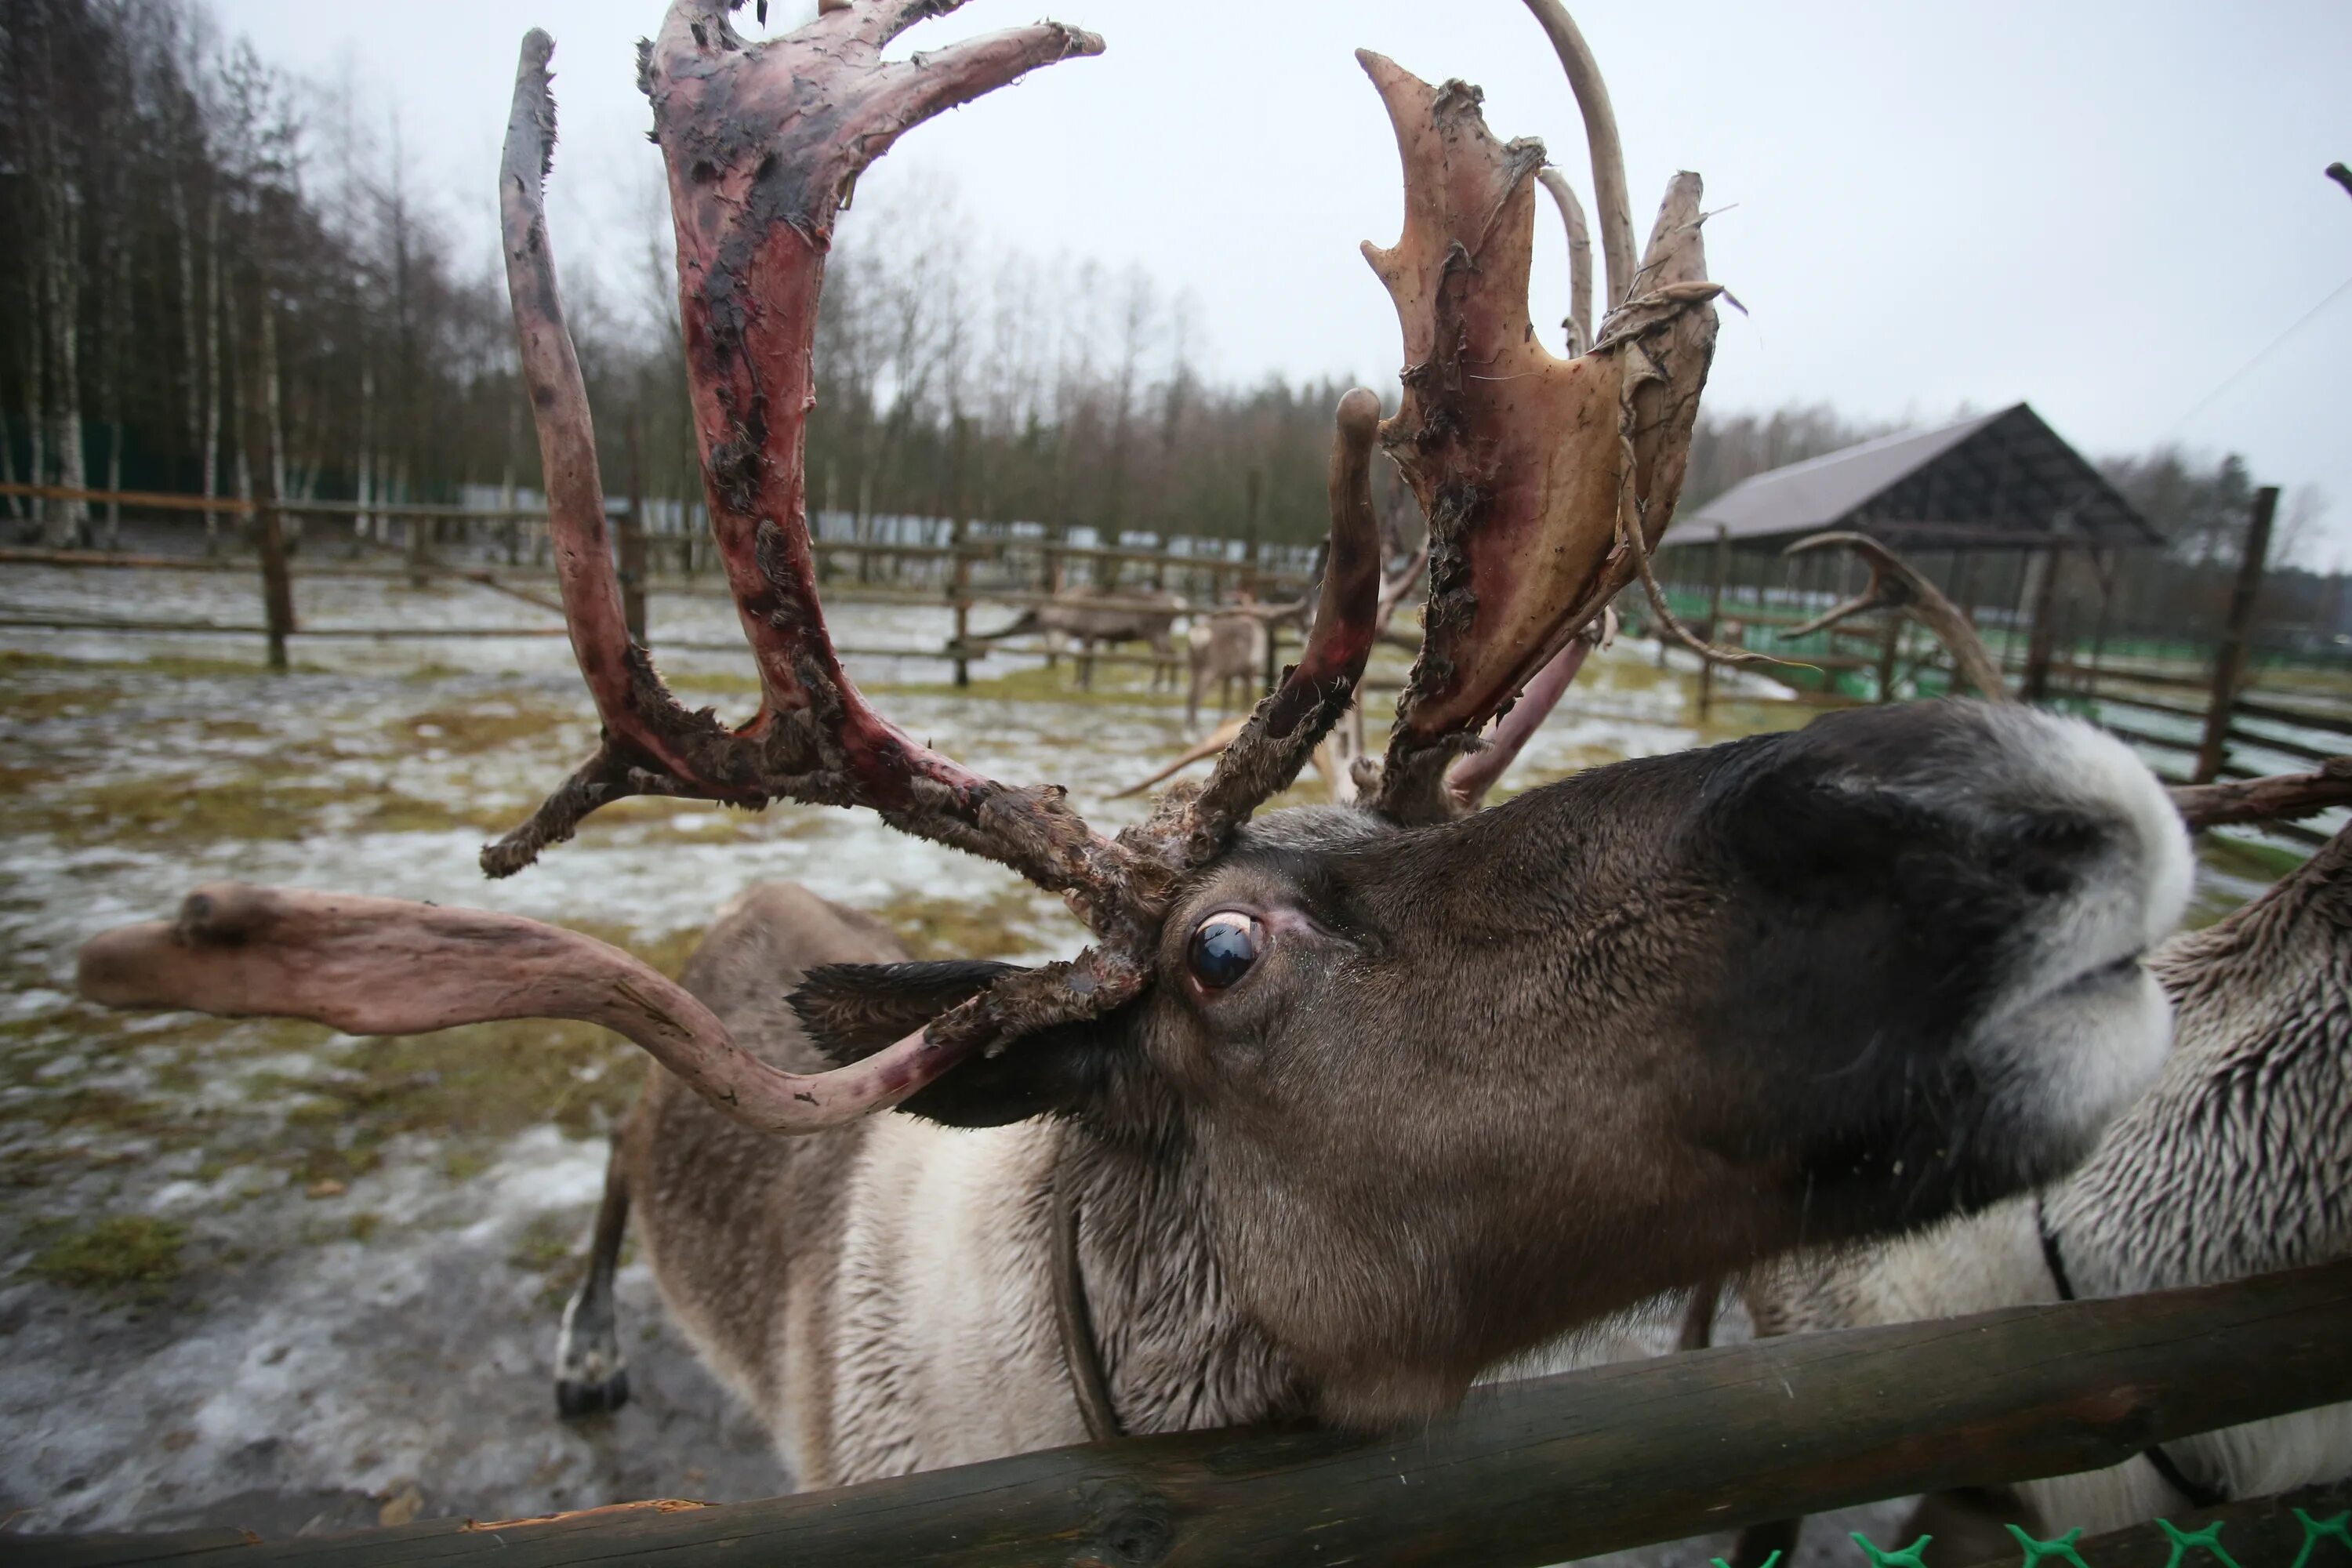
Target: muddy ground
(261,1274)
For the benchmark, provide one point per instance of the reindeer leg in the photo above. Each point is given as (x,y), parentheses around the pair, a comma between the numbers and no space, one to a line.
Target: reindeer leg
(1969,1524)
(591,1377)
(1761,1543)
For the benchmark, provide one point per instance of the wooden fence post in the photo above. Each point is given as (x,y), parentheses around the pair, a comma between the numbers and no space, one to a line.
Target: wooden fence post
(632,543)
(268,531)
(1250,531)
(418,544)
(2042,636)
(1722,565)
(2230,659)
(960,564)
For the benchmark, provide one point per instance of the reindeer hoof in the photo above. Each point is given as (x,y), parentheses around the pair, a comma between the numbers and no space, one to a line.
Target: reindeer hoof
(574,1399)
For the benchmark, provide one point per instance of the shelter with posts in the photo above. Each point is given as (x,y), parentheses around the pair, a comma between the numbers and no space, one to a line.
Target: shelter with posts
(2015,526)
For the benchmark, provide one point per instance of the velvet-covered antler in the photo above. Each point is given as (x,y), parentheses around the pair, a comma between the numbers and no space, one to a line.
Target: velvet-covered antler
(384,966)
(1545,480)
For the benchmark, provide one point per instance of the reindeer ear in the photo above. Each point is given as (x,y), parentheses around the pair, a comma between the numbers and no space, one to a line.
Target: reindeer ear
(852,1010)
(1057,1072)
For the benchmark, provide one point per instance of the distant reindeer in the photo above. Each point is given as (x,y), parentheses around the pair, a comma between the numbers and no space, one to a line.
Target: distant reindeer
(1230,646)
(1095,616)
(1343,1105)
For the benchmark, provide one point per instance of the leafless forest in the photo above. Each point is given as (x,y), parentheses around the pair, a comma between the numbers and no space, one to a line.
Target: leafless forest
(219,264)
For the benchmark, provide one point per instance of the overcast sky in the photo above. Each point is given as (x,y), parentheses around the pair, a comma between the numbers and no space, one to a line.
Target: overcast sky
(2106,209)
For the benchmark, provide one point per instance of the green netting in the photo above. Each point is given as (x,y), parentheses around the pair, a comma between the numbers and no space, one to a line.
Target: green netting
(2039,1553)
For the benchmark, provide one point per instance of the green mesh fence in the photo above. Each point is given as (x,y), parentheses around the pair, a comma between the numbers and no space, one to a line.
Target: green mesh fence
(2184,1544)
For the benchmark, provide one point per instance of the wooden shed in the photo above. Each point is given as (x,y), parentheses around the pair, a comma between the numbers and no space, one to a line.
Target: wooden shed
(2014,524)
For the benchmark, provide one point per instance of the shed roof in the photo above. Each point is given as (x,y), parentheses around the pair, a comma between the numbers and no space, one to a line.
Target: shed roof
(1997,481)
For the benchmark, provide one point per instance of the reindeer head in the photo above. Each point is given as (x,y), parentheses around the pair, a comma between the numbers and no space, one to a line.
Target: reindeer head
(1456,1079)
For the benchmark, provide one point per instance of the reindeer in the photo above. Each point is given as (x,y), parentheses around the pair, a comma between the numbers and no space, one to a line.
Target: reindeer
(1093,616)
(1340,1106)
(2237,1160)
(1228,645)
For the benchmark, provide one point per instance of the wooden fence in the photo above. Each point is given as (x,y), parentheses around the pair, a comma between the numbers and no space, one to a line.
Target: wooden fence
(1025,570)
(2218,722)
(2216,716)
(1526,1473)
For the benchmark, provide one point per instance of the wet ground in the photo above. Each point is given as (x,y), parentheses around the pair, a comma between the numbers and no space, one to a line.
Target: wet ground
(261,1274)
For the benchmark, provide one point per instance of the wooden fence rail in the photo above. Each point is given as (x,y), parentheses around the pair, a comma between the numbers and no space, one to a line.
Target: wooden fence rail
(1217,563)
(960,593)
(1526,1473)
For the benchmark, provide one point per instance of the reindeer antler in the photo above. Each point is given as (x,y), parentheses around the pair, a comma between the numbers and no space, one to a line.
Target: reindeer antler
(762,145)
(1895,586)
(1545,481)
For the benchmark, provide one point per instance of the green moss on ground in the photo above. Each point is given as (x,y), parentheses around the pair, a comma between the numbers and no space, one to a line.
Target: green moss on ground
(480,1084)
(276,804)
(551,1247)
(2248,857)
(494,724)
(1122,686)
(14,661)
(133,1254)
(63,702)
(711,682)
(1003,925)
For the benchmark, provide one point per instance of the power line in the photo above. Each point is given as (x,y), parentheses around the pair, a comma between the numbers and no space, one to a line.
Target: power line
(2264,353)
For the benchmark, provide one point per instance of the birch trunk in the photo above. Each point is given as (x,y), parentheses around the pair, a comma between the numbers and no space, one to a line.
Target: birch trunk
(112,328)
(510,526)
(8,468)
(212,373)
(192,371)
(240,412)
(62,271)
(36,408)
(363,524)
(273,406)
(257,427)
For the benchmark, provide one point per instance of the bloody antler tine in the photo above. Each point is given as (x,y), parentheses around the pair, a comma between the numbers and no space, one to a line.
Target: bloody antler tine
(1609,191)
(386,966)
(1283,731)
(648,735)
(550,371)
(1895,586)
(761,146)
(1580,259)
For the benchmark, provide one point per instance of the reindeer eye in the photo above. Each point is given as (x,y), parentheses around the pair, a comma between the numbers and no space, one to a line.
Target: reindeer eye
(1223,947)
